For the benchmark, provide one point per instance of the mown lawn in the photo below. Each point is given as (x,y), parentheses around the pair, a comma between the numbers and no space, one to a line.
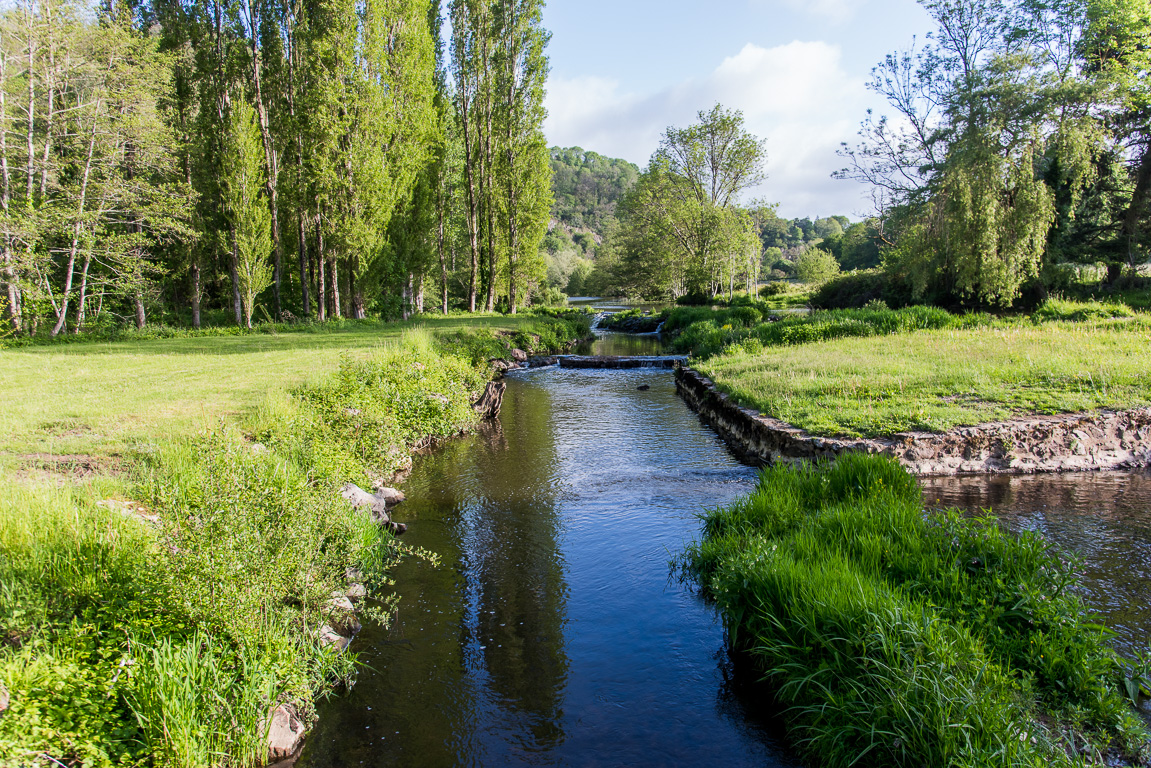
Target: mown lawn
(102,399)
(937,379)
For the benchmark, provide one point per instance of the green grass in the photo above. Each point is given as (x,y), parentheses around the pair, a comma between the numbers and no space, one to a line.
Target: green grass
(937,379)
(897,638)
(876,371)
(104,398)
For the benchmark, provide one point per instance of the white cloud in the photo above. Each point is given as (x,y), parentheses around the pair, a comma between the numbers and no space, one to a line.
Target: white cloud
(797,96)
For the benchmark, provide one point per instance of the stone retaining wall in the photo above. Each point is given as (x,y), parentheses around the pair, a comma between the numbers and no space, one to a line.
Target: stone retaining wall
(1067,442)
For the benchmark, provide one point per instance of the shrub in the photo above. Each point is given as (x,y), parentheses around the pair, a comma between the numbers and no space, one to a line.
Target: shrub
(816,266)
(774,288)
(1079,311)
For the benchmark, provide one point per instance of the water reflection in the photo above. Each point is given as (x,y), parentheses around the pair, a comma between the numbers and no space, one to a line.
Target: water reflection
(1105,517)
(551,635)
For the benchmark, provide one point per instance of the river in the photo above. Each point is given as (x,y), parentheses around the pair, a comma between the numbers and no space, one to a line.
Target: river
(551,633)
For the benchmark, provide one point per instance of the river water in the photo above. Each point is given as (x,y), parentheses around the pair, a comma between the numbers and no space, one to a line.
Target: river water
(551,633)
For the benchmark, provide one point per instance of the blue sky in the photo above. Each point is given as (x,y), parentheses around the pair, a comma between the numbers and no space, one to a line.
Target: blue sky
(623,71)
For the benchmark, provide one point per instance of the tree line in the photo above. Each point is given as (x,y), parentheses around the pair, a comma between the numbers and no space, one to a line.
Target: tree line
(224,160)
(1021,139)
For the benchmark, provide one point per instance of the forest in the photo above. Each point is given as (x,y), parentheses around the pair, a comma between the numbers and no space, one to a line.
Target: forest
(239,160)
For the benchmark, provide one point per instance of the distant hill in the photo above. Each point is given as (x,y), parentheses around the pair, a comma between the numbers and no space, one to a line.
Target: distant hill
(586,186)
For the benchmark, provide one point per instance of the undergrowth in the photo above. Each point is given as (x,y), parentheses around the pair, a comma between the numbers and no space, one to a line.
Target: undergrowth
(894,637)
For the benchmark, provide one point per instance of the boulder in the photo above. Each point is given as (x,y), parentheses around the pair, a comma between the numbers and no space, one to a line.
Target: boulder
(285,733)
(356,592)
(329,636)
(341,614)
(378,503)
(519,355)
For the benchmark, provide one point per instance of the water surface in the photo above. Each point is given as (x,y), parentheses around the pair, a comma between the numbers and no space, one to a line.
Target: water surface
(551,634)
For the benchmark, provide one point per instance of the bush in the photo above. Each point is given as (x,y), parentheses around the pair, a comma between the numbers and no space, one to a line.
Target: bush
(774,288)
(1079,311)
(816,266)
(899,638)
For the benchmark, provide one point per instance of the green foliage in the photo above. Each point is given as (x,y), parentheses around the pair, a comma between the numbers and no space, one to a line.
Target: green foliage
(898,638)
(816,266)
(587,187)
(247,206)
(704,332)
(1076,311)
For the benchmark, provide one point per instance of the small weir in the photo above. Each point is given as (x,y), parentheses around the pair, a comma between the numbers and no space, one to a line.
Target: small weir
(620,361)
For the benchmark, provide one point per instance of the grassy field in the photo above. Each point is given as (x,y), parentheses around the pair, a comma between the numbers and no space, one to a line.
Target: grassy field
(92,401)
(936,379)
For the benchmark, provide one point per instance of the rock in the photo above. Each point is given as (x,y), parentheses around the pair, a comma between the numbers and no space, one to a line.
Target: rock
(441,399)
(129,509)
(259,449)
(519,355)
(285,733)
(329,636)
(341,615)
(390,496)
(488,404)
(540,361)
(356,593)
(378,503)
(643,387)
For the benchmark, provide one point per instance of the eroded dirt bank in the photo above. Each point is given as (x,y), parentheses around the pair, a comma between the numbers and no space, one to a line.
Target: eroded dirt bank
(1066,442)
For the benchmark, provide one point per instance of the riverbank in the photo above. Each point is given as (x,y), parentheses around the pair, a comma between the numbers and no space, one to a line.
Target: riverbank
(159,612)
(1058,443)
(1062,389)
(898,637)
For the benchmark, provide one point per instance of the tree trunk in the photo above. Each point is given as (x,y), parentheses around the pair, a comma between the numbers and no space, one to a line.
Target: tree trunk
(303,246)
(440,247)
(63,317)
(336,309)
(197,291)
(141,319)
(81,305)
(1136,207)
(321,294)
(420,293)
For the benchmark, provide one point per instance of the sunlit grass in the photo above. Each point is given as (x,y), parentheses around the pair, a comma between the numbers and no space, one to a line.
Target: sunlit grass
(938,379)
(109,398)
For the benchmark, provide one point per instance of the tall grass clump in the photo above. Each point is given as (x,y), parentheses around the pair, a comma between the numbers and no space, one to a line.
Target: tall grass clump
(73,578)
(704,332)
(892,636)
